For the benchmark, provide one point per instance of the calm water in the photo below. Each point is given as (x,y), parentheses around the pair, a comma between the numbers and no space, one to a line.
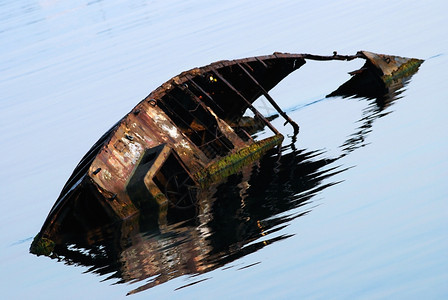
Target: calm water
(355,208)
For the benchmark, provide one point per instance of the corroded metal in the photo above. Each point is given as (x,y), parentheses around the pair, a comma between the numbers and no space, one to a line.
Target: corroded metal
(380,75)
(183,137)
(393,67)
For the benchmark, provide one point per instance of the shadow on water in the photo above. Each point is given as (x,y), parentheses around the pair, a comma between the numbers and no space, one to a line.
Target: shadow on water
(237,217)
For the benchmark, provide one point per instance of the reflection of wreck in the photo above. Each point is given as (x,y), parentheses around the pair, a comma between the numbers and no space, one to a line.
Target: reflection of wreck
(183,137)
(229,229)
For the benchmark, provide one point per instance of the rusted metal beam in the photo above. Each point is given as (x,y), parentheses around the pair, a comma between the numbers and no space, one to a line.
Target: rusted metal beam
(261,62)
(251,107)
(177,115)
(335,56)
(271,100)
(190,80)
(217,134)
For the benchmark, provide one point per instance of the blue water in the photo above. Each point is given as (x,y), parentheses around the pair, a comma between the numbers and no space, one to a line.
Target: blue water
(372,224)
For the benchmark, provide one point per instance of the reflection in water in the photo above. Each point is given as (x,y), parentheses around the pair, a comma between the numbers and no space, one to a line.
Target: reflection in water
(234,218)
(367,84)
(239,218)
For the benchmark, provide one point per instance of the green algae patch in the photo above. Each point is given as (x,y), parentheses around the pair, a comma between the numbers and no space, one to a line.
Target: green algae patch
(42,246)
(405,70)
(232,163)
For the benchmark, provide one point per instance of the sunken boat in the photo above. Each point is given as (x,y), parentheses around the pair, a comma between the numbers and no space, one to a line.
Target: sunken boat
(189,133)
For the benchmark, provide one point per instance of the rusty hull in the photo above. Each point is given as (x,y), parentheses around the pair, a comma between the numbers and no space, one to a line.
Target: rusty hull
(182,137)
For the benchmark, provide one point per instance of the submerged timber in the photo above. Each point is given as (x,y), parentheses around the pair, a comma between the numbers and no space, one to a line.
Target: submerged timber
(185,136)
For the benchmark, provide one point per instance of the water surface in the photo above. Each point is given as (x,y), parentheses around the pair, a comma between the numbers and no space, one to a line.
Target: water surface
(356,208)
